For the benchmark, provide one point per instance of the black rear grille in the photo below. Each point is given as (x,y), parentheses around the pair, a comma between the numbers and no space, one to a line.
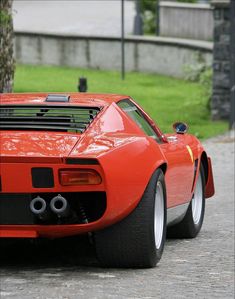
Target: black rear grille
(14,209)
(44,118)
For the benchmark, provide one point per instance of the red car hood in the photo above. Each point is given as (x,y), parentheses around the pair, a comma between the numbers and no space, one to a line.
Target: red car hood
(36,144)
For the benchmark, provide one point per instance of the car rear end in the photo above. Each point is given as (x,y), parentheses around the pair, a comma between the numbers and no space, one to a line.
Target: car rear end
(44,192)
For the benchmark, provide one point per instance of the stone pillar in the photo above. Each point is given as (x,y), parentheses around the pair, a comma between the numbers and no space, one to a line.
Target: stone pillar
(221,60)
(232,49)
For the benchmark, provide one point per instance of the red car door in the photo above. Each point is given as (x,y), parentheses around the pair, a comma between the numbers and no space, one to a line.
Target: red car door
(180,170)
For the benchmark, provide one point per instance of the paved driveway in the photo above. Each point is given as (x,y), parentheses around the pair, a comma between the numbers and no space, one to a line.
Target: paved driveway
(83,17)
(198,268)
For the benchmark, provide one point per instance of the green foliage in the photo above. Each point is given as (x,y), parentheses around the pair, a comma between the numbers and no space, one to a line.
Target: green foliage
(206,82)
(149,11)
(5,18)
(166,99)
(200,72)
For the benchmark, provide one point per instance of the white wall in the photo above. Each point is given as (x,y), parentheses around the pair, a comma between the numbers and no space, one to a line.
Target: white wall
(186,20)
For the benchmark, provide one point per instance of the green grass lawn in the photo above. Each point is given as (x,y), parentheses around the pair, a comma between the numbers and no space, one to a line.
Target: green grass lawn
(166,99)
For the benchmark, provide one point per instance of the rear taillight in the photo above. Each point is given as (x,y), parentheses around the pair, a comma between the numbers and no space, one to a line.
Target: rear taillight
(70,177)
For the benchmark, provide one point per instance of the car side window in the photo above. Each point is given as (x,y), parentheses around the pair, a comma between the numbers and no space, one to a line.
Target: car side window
(128,107)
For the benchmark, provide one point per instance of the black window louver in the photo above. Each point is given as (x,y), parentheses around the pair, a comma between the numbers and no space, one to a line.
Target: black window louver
(44,118)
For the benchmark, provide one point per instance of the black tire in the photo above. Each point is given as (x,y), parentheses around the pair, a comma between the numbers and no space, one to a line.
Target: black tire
(188,227)
(130,243)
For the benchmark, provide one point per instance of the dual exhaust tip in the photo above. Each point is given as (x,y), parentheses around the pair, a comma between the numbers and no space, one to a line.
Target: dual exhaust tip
(58,206)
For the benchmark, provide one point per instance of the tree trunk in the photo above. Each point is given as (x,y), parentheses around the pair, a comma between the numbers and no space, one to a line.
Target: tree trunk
(7,65)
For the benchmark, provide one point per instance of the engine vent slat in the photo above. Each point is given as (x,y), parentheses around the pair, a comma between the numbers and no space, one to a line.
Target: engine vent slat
(52,118)
(44,123)
(29,118)
(42,128)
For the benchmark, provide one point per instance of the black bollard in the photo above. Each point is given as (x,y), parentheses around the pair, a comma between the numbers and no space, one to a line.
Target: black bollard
(82,86)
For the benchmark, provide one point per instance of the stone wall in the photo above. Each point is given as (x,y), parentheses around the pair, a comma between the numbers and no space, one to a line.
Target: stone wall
(221,61)
(167,56)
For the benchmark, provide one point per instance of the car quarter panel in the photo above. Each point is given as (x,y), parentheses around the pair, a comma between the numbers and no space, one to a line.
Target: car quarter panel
(127,156)
(127,171)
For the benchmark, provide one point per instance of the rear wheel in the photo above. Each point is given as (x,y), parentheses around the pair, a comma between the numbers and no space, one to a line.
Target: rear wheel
(191,224)
(138,240)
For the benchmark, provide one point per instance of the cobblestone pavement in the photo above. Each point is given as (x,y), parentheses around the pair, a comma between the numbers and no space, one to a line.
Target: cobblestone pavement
(83,17)
(198,268)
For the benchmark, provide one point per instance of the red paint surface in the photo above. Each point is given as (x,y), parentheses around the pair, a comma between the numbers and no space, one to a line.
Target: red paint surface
(127,159)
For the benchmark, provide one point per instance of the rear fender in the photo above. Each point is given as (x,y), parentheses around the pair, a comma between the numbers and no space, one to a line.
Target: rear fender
(127,171)
(210,187)
(207,165)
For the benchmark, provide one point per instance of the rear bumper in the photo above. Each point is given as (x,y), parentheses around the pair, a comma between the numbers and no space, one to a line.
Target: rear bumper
(30,227)
(18,190)
(48,231)
(123,190)
(17,220)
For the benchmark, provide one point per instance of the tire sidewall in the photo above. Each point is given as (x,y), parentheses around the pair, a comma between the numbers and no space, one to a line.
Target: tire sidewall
(195,227)
(157,176)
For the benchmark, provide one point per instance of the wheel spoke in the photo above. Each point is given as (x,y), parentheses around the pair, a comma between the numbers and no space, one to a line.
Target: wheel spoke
(197,201)
(158,215)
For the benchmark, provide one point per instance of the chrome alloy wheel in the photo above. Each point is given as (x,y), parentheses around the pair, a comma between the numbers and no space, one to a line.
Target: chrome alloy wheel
(197,200)
(158,215)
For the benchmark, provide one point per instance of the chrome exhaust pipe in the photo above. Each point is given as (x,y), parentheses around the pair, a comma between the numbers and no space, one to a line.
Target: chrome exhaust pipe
(38,207)
(60,206)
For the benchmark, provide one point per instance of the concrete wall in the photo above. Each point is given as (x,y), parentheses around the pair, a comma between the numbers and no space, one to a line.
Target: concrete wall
(186,20)
(146,54)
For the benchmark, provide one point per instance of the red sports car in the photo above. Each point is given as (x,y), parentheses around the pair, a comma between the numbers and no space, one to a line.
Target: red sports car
(97,164)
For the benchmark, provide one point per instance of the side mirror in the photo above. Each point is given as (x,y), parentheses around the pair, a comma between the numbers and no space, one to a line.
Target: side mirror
(180,128)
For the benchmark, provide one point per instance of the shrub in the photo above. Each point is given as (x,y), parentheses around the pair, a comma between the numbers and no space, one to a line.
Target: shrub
(200,72)
(149,12)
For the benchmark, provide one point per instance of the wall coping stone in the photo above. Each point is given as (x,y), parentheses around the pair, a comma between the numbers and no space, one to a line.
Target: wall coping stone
(185,5)
(220,3)
(183,43)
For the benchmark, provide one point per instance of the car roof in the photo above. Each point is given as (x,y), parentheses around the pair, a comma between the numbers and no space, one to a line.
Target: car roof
(80,99)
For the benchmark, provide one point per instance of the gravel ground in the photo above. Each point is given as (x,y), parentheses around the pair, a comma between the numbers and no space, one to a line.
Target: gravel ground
(198,268)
